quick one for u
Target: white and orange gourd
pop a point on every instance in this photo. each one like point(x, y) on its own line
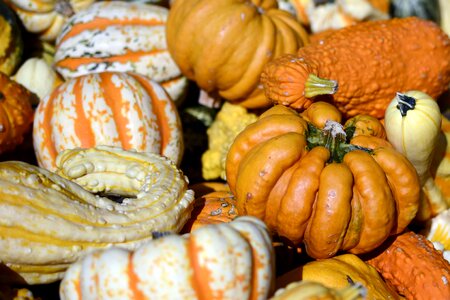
point(223, 261)
point(119, 36)
point(117, 109)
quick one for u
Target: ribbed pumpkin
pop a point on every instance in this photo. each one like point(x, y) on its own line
point(118, 109)
point(323, 186)
point(224, 261)
point(48, 220)
point(11, 44)
point(16, 113)
point(46, 18)
point(224, 45)
point(122, 37)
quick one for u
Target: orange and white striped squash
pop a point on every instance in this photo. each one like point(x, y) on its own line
point(46, 18)
point(222, 261)
point(119, 36)
point(116, 109)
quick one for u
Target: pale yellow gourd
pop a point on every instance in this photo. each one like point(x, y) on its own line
point(413, 125)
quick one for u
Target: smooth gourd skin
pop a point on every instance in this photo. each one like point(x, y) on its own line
point(277, 178)
point(370, 62)
point(224, 261)
point(16, 113)
point(109, 108)
point(223, 45)
point(411, 264)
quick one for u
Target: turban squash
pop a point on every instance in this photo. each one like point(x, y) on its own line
point(119, 36)
point(223, 261)
point(339, 189)
point(224, 45)
point(117, 109)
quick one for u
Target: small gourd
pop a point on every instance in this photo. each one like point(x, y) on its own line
point(413, 125)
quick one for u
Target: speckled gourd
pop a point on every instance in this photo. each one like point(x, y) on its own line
point(47, 221)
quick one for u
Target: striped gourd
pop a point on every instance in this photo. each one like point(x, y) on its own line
point(118, 109)
point(46, 18)
point(11, 44)
point(119, 36)
point(47, 221)
point(223, 261)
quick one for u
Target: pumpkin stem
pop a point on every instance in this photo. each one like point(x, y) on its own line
point(315, 86)
point(405, 103)
point(64, 8)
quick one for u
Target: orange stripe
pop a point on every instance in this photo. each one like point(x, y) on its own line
point(102, 23)
point(201, 276)
point(133, 281)
point(159, 110)
point(72, 63)
point(78, 288)
point(82, 124)
point(45, 125)
point(114, 100)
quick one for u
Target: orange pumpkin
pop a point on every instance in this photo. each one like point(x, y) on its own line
point(411, 264)
point(16, 113)
point(116, 109)
point(313, 186)
point(224, 45)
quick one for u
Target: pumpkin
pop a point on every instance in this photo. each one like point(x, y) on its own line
point(16, 113)
point(413, 126)
point(309, 290)
point(410, 263)
point(118, 109)
point(37, 76)
point(339, 272)
point(223, 261)
point(212, 208)
point(359, 79)
point(99, 197)
point(224, 45)
point(119, 36)
point(11, 44)
point(320, 186)
point(46, 18)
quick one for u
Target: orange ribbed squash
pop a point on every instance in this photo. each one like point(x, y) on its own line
point(117, 109)
point(224, 45)
point(360, 79)
point(322, 187)
point(16, 113)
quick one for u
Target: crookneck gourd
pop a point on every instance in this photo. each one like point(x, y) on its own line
point(325, 186)
point(360, 79)
point(224, 261)
point(224, 45)
point(47, 221)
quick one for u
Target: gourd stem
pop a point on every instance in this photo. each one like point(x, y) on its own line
point(405, 103)
point(353, 292)
point(315, 86)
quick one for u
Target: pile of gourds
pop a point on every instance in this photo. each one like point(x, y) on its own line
point(197, 149)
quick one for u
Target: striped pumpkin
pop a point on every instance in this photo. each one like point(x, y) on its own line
point(117, 109)
point(121, 37)
point(46, 18)
point(223, 261)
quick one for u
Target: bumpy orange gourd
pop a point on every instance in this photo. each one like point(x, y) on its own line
point(410, 263)
point(224, 45)
point(311, 187)
point(16, 113)
point(362, 67)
